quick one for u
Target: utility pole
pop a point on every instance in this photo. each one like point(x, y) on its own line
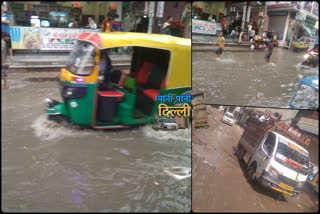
point(155, 19)
point(151, 16)
point(244, 15)
point(264, 13)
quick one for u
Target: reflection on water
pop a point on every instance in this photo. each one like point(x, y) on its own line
point(244, 78)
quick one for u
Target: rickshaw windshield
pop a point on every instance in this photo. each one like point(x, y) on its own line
point(81, 59)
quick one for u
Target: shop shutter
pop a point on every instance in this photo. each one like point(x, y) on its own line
point(277, 23)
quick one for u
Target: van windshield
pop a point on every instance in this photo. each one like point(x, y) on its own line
point(81, 59)
point(229, 116)
point(292, 157)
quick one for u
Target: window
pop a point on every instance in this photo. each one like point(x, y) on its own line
point(81, 59)
point(268, 145)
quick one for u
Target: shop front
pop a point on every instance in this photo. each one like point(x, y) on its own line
point(46, 26)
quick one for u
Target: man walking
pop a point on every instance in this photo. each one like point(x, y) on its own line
point(5, 21)
point(224, 26)
point(4, 51)
point(269, 53)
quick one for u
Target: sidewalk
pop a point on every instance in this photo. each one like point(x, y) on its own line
point(210, 39)
point(212, 48)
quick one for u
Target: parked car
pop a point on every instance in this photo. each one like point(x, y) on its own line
point(164, 123)
point(228, 118)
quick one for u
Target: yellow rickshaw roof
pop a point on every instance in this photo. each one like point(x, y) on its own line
point(179, 71)
point(118, 39)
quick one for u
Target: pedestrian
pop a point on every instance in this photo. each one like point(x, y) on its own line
point(92, 24)
point(4, 52)
point(221, 45)
point(115, 25)
point(75, 23)
point(233, 34)
point(269, 53)
point(224, 26)
point(165, 29)
point(5, 21)
point(106, 26)
point(249, 29)
point(240, 34)
point(252, 34)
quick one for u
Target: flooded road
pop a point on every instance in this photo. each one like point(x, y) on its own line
point(244, 78)
point(218, 180)
point(58, 168)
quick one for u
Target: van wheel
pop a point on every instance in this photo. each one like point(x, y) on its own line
point(250, 172)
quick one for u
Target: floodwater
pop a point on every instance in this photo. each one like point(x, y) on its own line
point(244, 78)
point(58, 167)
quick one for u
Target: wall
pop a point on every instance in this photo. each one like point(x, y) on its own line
point(174, 9)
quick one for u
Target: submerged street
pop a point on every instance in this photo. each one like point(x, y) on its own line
point(244, 78)
point(58, 167)
point(219, 182)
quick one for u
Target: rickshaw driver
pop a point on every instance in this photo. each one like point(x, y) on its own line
point(105, 68)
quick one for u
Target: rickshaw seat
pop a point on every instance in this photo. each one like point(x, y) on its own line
point(122, 80)
point(130, 84)
point(143, 73)
point(153, 93)
point(111, 94)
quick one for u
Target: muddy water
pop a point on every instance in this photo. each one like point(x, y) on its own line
point(244, 78)
point(52, 167)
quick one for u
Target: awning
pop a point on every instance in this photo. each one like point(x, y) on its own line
point(309, 125)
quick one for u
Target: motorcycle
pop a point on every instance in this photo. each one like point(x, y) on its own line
point(311, 59)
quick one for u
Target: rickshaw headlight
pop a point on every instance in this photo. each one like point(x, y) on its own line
point(48, 102)
point(68, 92)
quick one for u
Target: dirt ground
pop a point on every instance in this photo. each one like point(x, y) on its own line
point(218, 180)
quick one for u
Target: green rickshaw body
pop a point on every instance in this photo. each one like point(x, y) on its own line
point(81, 93)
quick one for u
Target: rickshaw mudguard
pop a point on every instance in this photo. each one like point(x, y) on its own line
point(59, 109)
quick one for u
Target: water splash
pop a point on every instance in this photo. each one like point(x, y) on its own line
point(178, 173)
point(48, 130)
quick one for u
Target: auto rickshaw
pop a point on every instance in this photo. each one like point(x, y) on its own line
point(160, 64)
point(312, 82)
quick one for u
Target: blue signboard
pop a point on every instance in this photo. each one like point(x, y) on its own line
point(15, 34)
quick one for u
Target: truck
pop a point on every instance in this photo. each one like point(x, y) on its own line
point(273, 157)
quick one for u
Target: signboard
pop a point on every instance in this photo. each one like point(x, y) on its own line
point(204, 27)
point(25, 38)
point(309, 125)
point(30, 38)
point(60, 38)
